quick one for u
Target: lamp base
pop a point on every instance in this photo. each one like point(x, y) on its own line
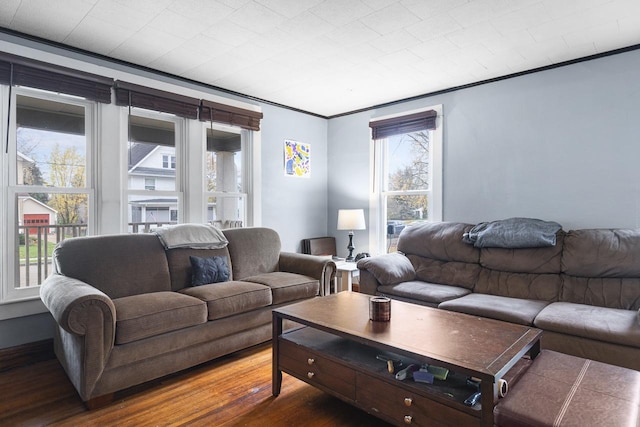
point(350, 247)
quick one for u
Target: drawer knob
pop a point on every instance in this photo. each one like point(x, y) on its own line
point(408, 419)
point(310, 374)
point(408, 401)
point(311, 361)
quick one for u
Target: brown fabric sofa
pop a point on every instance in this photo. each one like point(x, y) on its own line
point(584, 292)
point(126, 312)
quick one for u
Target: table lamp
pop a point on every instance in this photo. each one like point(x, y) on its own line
point(351, 219)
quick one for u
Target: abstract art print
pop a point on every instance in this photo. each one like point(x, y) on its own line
point(297, 159)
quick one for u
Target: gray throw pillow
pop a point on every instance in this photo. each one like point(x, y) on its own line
point(208, 270)
point(389, 269)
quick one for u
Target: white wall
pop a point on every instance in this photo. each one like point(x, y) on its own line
point(349, 179)
point(559, 145)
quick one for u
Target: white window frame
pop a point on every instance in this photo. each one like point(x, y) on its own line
point(377, 206)
point(247, 168)
point(180, 138)
point(169, 160)
point(8, 291)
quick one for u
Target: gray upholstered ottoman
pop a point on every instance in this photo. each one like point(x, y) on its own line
point(563, 390)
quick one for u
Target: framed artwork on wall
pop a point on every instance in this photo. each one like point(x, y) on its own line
point(297, 159)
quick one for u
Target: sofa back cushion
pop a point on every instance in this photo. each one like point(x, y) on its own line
point(439, 255)
point(608, 292)
point(525, 260)
point(119, 265)
point(438, 240)
point(602, 253)
point(180, 266)
point(253, 251)
point(454, 273)
point(602, 267)
point(543, 287)
point(528, 273)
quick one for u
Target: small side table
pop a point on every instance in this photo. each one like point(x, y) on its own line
point(346, 271)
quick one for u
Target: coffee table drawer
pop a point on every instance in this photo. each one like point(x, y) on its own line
point(317, 370)
point(401, 406)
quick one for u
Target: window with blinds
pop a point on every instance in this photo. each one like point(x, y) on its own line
point(405, 173)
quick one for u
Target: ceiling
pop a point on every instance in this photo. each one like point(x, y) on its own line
point(330, 57)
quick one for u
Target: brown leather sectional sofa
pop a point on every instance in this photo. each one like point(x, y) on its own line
point(583, 292)
point(126, 312)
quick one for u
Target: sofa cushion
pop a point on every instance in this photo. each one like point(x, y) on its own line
point(602, 253)
point(454, 273)
point(542, 260)
point(253, 251)
point(228, 298)
point(111, 263)
point(155, 313)
point(543, 287)
point(208, 270)
point(438, 240)
point(598, 323)
point(611, 292)
point(514, 310)
point(287, 286)
point(389, 269)
point(424, 291)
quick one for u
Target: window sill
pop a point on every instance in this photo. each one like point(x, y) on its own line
point(25, 307)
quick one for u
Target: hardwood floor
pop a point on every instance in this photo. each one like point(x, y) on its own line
point(231, 391)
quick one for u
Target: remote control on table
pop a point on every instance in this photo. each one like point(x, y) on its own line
point(473, 399)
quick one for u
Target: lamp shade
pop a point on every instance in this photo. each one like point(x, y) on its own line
point(351, 219)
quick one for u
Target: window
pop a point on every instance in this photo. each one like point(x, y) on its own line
point(49, 170)
point(407, 175)
point(168, 162)
point(224, 177)
point(49, 182)
point(149, 183)
point(153, 183)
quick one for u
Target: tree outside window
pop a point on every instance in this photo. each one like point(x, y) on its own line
point(51, 189)
point(409, 176)
point(407, 182)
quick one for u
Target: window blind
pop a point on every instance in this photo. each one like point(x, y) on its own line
point(133, 95)
point(221, 113)
point(20, 71)
point(425, 120)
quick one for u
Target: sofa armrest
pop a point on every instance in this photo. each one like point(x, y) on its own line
point(68, 299)
point(87, 320)
point(386, 269)
point(322, 269)
point(367, 283)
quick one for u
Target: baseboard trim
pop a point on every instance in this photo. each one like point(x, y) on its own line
point(26, 354)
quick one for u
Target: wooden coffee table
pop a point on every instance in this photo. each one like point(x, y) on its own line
point(339, 349)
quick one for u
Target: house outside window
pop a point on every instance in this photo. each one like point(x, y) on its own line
point(153, 183)
point(407, 174)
